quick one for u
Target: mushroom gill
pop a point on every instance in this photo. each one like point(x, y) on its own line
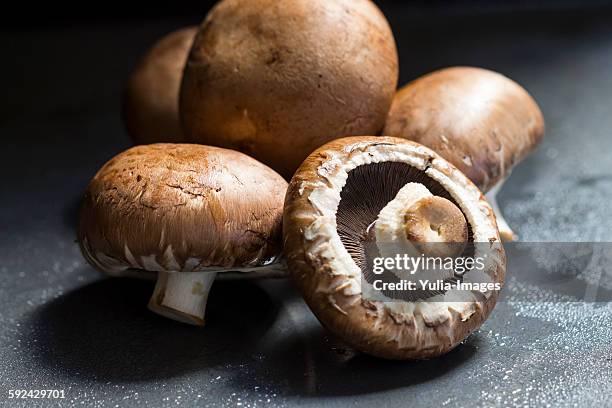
point(368, 190)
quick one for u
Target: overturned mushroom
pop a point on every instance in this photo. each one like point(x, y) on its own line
point(151, 94)
point(356, 190)
point(479, 120)
point(186, 212)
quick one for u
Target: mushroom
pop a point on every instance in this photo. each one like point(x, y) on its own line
point(187, 213)
point(479, 120)
point(276, 80)
point(356, 190)
point(150, 97)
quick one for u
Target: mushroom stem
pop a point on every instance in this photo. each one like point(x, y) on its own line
point(182, 296)
point(436, 226)
point(505, 232)
point(433, 225)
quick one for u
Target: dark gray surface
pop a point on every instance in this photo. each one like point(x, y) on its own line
point(64, 326)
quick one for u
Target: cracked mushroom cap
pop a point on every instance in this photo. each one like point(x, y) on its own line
point(151, 94)
point(333, 200)
point(181, 208)
point(479, 120)
point(277, 79)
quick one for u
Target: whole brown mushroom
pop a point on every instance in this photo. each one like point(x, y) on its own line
point(479, 120)
point(402, 190)
point(151, 94)
point(278, 78)
point(185, 212)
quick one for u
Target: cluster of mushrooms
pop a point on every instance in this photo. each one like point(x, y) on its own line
point(305, 90)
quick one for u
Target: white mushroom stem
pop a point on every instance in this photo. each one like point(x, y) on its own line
point(418, 223)
point(182, 296)
point(390, 230)
point(390, 226)
point(505, 232)
point(415, 217)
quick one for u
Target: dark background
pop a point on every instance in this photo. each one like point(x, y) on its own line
point(24, 14)
point(64, 326)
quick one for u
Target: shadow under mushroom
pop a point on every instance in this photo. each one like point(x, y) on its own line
point(103, 331)
point(309, 363)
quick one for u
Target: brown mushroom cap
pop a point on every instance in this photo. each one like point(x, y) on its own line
point(150, 97)
point(337, 193)
point(276, 79)
point(181, 208)
point(479, 120)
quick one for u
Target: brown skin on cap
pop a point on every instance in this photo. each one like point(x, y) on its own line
point(326, 275)
point(150, 97)
point(277, 79)
point(436, 221)
point(479, 120)
point(181, 208)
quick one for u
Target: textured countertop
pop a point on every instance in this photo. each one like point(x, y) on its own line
point(64, 326)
